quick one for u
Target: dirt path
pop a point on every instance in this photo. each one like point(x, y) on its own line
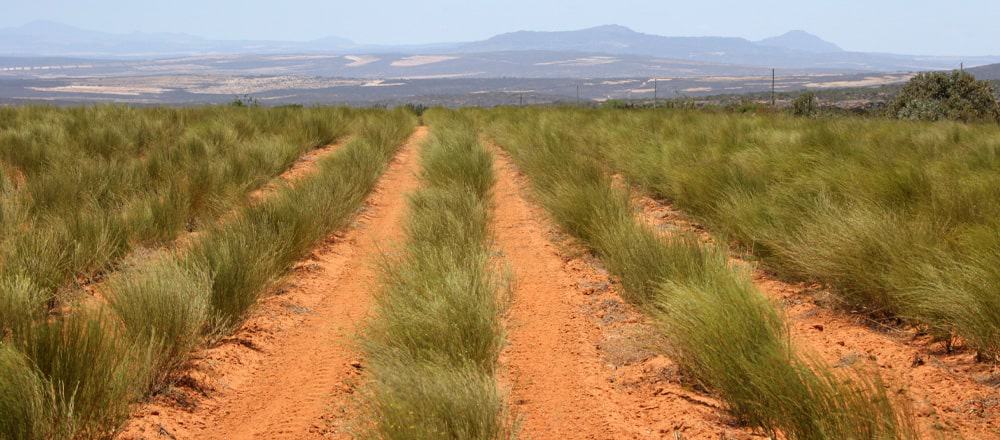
point(579, 362)
point(304, 166)
point(950, 393)
point(290, 371)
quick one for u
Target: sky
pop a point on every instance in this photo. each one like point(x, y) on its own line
point(955, 27)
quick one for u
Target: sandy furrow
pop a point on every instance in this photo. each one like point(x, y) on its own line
point(579, 362)
point(950, 393)
point(304, 166)
point(291, 370)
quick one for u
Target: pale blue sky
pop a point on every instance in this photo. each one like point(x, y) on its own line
point(959, 27)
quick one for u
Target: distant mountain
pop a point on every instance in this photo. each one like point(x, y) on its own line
point(801, 41)
point(46, 38)
point(991, 72)
point(793, 51)
point(614, 39)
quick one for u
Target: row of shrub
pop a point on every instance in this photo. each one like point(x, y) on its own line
point(75, 376)
point(435, 337)
point(897, 217)
point(86, 186)
point(724, 333)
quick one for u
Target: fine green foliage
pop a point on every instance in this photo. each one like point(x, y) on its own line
point(88, 366)
point(85, 186)
point(164, 307)
point(436, 335)
point(23, 399)
point(720, 329)
point(804, 104)
point(957, 95)
point(893, 215)
point(246, 255)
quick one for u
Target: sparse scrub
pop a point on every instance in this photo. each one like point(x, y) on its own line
point(436, 335)
point(721, 330)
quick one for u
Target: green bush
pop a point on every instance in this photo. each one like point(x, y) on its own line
point(938, 96)
point(804, 104)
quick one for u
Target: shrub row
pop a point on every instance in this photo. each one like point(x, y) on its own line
point(723, 332)
point(434, 340)
point(79, 373)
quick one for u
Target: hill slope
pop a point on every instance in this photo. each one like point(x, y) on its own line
point(801, 41)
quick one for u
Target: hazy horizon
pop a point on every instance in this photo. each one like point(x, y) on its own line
point(896, 26)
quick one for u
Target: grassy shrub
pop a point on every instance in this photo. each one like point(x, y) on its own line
point(245, 256)
point(24, 399)
point(123, 177)
point(92, 364)
point(436, 335)
point(804, 104)
point(21, 303)
point(721, 330)
point(890, 214)
point(165, 309)
point(90, 369)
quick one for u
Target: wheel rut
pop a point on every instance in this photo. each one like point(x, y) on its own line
point(292, 369)
point(951, 394)
point(579, 362)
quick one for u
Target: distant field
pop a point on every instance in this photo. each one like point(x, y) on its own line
point(275, 80)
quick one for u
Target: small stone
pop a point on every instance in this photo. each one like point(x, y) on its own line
point(818, 327)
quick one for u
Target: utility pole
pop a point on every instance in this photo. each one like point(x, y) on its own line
point(655, 92)
point(521, 97)
point(577, 94)
point(772, 87)
point(961, 66)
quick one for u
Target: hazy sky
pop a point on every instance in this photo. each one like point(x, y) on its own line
point(960, 27)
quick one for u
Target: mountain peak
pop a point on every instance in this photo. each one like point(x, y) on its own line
point(801, 41)
point(611, 28)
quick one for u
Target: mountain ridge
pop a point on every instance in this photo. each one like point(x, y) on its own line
point(798, 50)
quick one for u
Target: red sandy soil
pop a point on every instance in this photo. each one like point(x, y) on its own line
point(291, 371)
point(302, 167)
point(951, 394)
point(580, 362)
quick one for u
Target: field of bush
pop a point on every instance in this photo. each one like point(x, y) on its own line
point(900, 218)
point(100, 308)
point(84, 187)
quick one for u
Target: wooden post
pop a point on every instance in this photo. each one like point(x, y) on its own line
point(772, 88)
point(655, 92)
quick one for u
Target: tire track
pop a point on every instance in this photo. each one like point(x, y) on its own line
point(950, 392)
point(580, 362)
point(291, 370)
